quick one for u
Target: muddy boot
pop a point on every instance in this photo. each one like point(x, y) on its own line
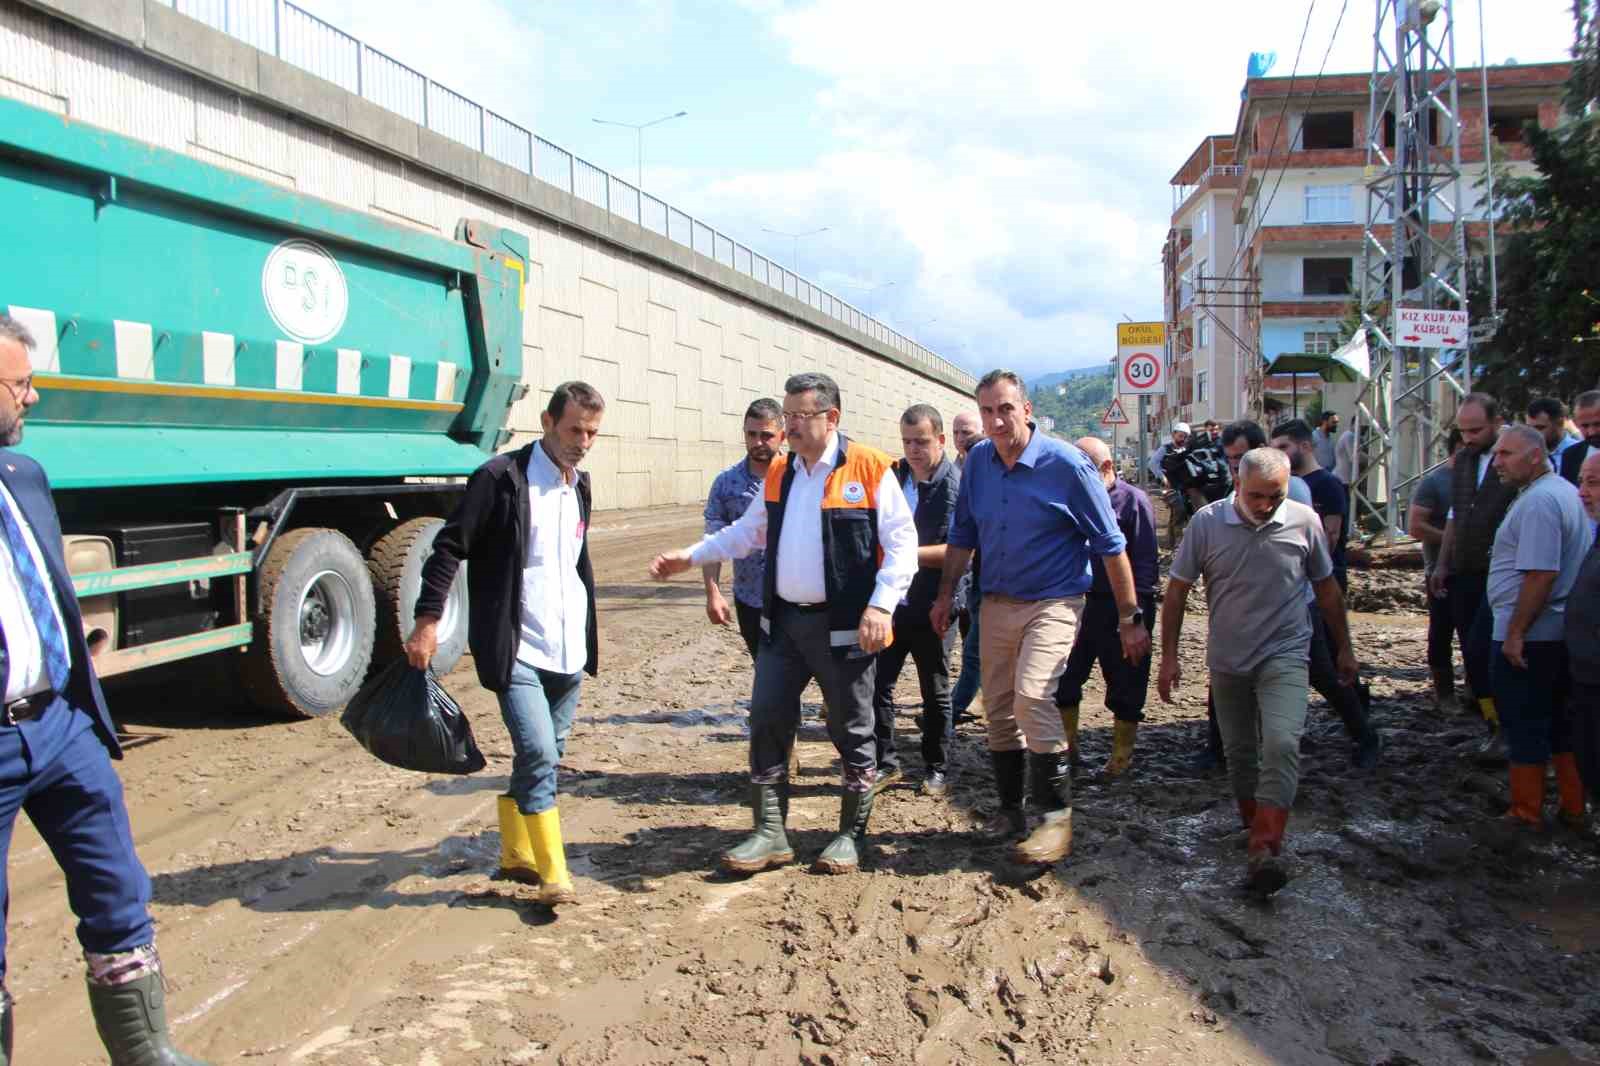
point(131, 1014)
point(1266, 871)
point(550, 853)
point(1492, 752)
point(1247, 812)
point(769, 844)
point(1069, 722)
point(5, 1027)
point(1445, 700)
point(516, 850)
point(1122, 739)
point(1052, 793)
point(843, 853)
point(1569, 787)
point(1009, 821)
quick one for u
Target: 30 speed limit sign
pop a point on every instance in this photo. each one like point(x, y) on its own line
point(1140, 362)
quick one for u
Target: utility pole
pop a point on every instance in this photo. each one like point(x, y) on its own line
point(1409, 259)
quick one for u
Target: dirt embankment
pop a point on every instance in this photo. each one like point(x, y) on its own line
point(316, 907)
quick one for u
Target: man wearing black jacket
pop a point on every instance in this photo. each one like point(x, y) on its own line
point(523, 522)
point(931, 483)
point(1586, 413)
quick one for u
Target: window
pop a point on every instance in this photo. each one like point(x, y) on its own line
point(1325, 277)
point(1203, 331)
point(1321, 342)
point(1328, 203)
point(1202, 389)
point(1505, 123)
point(1328, 129)
point(1388, 128)
point(1202, 222)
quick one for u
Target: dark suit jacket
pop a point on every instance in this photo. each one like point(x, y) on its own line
point(1572, 460)
point(25, 480)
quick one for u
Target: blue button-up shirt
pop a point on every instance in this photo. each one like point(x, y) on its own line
point(731, 495)
point(1036, 524)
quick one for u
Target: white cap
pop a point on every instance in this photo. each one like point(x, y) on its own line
point(1180, 427)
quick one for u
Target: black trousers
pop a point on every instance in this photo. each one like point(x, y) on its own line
point(1344, 699)
point(797, 651)
point(1099, 640)
point(1583, 704)
point(1441, 643)
point(749, 626)
point(1474, 623)
point(931, 653)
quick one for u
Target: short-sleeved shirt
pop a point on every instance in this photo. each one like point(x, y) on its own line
point(1255, 581)
point(1036, 523)
point(1137, 520)
point(1330, 500)
point(1433, 492)
point(731, 495)
point(1545, 529)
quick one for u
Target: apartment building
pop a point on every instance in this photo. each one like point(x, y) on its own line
point(1267, 227)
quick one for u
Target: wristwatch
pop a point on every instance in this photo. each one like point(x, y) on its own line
point(1134, 619)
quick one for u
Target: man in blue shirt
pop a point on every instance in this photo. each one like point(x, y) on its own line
point(730, 497)
point(1098, 639)
point(1037, 509)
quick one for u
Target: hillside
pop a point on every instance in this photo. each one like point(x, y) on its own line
point(1076, 401)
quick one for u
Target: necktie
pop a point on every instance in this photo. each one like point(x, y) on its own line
point(57, 666)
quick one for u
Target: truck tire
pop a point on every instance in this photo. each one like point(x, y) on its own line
point(313, 639)
point(395, 562)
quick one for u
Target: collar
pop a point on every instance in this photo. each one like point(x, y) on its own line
point(1030, 455)
point(903, 467)
point(542, 470)
point(1234, 518)
point(829, 457)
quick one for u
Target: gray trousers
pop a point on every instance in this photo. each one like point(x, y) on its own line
point(1262, 715)
point(797, 651)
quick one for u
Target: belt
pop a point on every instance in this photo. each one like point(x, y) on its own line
point(804, 608)
point(21, 710)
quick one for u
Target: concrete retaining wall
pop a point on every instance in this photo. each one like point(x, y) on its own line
point(678, 343)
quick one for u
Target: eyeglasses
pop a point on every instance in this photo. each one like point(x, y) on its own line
point(25, 385)
point(802, 416)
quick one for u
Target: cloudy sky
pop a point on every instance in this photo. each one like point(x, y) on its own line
point(1003, 164)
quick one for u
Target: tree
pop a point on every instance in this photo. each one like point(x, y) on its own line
point(1548, 342)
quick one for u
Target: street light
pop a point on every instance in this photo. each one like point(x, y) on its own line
point(795, 262)
point(638, 128)
point(866, 293)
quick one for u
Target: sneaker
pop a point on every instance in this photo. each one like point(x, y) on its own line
point(936, 784)
point(1368, 749)
point(887, 779)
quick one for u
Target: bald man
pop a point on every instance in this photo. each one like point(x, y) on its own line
point(1098, 636)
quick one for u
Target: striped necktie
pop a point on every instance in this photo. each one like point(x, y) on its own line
point(52, 647)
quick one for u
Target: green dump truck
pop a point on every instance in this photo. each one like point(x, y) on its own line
point(255, 406)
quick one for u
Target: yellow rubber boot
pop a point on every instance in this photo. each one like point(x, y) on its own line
point(544, 833)
point(1069, 722)
point(1122, 738)
point(516, 850)
point(1492, 752)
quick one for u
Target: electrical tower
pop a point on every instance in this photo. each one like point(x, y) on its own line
point(1413, 253)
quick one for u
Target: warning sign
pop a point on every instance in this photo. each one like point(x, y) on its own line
point(1115, 415)
point(1140, 347)
point(1419, 327)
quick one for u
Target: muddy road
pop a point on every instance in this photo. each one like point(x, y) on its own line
point(315, 907)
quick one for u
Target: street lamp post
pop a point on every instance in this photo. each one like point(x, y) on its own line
point(795, 237)
point(638, 129)
point(867, 293)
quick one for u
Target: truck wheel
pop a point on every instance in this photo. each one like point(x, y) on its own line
point(313, 640)
point(395, 562)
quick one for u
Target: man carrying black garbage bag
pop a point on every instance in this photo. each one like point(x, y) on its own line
point(523, 523)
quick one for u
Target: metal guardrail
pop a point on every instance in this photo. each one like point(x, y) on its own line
point(296, 36)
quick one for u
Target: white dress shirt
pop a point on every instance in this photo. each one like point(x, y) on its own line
point(27, 674)
point(799, 559)
point(555, 605)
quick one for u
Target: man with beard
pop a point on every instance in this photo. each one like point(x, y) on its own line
point(1548, 415)
point(965, 431)
point(523, 523)
point(1586, 413)
point(1479, 500)
point(1538, 551)
point(731, 495)
point(1324, 437)
point(57, 741)
point(1430, 502)
point(1256, 551)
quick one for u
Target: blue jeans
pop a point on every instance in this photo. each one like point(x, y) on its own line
point(966, 689)
point(1532, 702)
point(56, 770)
point(538, 710)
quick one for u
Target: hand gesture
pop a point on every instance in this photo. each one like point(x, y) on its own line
point(1167, 681)
point(666, 564)
point(717, 608)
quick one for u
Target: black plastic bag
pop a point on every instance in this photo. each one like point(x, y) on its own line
point(406, 718)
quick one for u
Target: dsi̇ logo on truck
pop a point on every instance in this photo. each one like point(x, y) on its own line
point(305, 291)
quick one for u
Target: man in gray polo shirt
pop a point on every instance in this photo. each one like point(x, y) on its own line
point(1256, 550)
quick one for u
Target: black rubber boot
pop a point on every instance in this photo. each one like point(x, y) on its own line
point(132, 1020)
point(1051, 792)
point(769, 844)
point(843, 853)
point(5, 1027)
point(1010, 770)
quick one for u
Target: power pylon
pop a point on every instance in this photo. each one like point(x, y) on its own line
point(1413, 252)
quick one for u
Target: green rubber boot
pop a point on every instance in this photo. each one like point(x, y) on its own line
point(843, 853)
point(132, 1020)
point(769, 845)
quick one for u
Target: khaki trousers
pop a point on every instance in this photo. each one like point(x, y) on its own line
point(1023, 649)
